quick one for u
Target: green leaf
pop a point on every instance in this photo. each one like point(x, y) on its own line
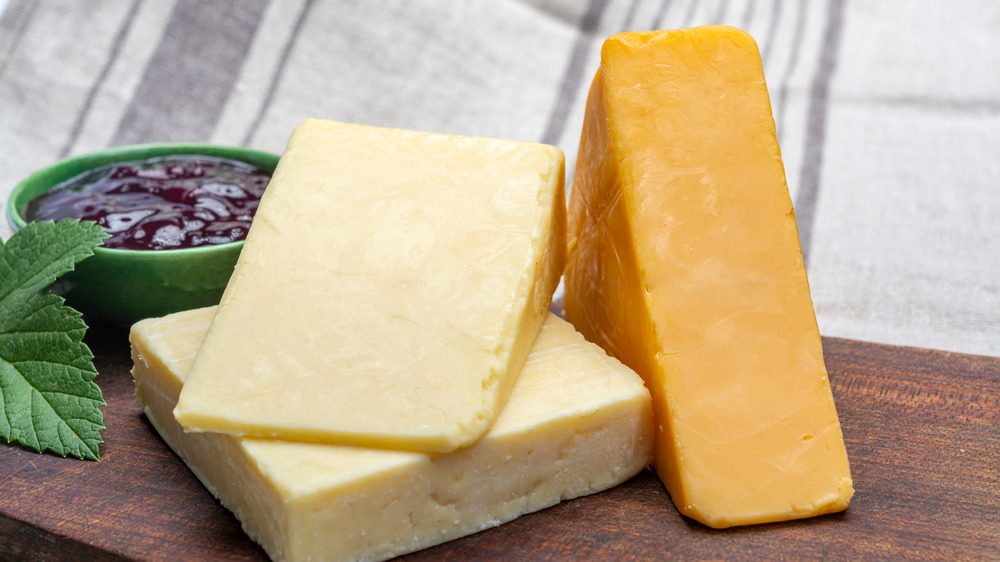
point(50, 401)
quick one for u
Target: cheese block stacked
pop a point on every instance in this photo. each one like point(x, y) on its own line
point(382, 373)
point(577, 422)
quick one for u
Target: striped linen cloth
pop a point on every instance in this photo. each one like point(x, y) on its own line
point(888, 112)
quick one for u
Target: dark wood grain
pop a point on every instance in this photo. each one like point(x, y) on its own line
point(922, 430)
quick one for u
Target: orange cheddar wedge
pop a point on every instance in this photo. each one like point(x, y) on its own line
point(684, 262)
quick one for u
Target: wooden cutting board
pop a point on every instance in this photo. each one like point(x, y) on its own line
point(922, 430)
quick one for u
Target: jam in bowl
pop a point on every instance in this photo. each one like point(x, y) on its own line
point(169, 202)
point(176, 214)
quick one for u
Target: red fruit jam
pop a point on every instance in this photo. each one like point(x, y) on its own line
point(161, 203)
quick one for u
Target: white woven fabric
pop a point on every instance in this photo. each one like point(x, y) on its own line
point(888, 112)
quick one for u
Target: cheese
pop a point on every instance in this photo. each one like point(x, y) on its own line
point(685, 263)
point(389, 290)
point(577, 422)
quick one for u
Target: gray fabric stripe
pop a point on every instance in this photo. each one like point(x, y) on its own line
point(720, 12)
point(573, 73)
point(12, 24)
point(747, 14)
point(662, 13)
point(812, 161)
point(630, 16)
point(793, 61)
point(772, 27)
point(116, 46)
point(985, 106)
point(189, 77)
point(689, 16)
point(278, 72)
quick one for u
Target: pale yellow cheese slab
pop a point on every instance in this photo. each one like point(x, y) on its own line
point(577, 422)
point(684, 263)
point(389, 290)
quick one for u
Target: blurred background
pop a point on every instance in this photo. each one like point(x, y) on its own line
point(888, 112)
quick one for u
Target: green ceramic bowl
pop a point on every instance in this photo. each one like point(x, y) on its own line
point(124, 286)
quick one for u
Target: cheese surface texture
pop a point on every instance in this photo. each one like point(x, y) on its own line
point(684, 262)
point(577, 422)
point(389, 290)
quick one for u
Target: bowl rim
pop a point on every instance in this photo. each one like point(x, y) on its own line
point(126, 153)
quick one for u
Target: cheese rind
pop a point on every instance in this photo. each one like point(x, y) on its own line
point(684, 263)
point(389, 289)
point(577, 422)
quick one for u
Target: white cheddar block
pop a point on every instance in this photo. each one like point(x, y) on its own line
point(388, 292)
point(577, 422)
